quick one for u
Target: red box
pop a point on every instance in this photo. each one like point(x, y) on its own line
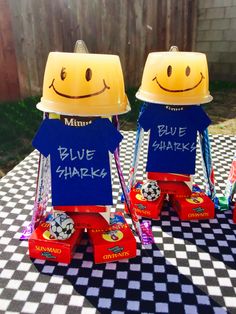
point(114, 243)
point(143, 207)
point(196, 207)
point(43, 246)
point(172, 183)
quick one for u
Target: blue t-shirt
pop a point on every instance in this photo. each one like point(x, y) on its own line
point(173, 136)
point(80, 167)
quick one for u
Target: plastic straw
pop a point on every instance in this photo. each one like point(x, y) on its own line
point(207, 164)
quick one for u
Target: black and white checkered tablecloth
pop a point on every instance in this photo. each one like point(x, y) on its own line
point(190, 269)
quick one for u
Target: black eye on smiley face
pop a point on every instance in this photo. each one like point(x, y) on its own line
point(63, 74)
point(187, 71)
point(170, 72)
point(87, 76)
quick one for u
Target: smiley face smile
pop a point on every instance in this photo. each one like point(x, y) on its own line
point(179, 90)
point(80, 96)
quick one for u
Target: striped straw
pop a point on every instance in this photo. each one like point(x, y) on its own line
point(207, 164)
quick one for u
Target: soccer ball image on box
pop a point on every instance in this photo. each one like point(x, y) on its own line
point(150, 190)
point(62, 226)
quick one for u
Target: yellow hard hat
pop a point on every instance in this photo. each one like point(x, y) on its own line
point(83, 84)
point(175, 78)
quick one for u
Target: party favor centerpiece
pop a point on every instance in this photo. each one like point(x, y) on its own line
point(81, 91)
point(174, 85)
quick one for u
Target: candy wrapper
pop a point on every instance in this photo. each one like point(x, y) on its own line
point(147, 235)
point(207, 164)
point(230, 189)
point(41, 197)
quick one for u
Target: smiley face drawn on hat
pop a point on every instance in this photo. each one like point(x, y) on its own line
point(175, 78)
point(187, 73)
point(179, 73)
point(88, 77)
point(83, 84)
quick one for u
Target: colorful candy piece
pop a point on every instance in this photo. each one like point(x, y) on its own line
point(147, 235)
point(230, 189)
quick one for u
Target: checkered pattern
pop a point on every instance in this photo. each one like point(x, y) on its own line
point(190, 268)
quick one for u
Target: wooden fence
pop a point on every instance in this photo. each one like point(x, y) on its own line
point(30, 29)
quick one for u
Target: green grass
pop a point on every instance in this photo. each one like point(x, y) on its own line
point(221, 86)
point(128, 120)
point(20, 120)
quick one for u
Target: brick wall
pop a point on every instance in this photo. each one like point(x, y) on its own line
point(216, 36)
